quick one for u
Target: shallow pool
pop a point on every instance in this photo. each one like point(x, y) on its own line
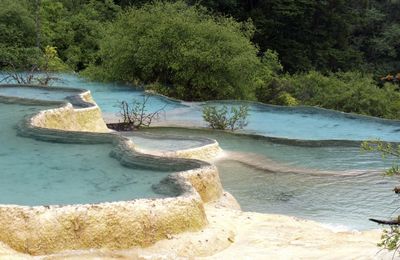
point(342, 202)
point(109, 95)
point(37, 93)
point(42, 173)
point(338, 186)
point(300, 123)
point(164, 144)
point(292, 123)
point(336, 158)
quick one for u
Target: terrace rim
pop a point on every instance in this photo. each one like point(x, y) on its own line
point(39, 230)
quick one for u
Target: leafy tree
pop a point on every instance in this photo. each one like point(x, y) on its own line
point(307, 34)
point(321, 35)
point(74, 27)
point(348, 92)
point(17, 24)
point(385, 48)
point(386, 150)
point(17, 34)
point(128, 3)
point(192, 54)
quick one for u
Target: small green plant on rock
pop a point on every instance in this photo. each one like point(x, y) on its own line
point(223, 118)
point(385, 149)
point(390, 238)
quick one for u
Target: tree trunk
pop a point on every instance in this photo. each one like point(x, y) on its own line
point(37, 22)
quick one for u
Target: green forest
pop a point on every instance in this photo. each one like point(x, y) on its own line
point(336, 54)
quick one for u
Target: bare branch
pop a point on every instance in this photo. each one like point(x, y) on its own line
point(33, 75)
point(386, 222)
point(135, 115)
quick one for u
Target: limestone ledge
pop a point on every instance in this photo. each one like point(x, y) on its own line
point(40, 230)
point(117, 225)
point(204, 177)
point(207, 150)
point(234, 234)
point(48, 229)
point(68, 118)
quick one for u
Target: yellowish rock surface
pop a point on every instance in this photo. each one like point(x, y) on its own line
point(71, 119)
point(233, 234)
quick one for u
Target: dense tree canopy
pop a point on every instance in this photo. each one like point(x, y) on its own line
point(75, 28)
point(195, 55)
point(17, 33)
point(307, 34)
point(323, 35)
point(220, 49)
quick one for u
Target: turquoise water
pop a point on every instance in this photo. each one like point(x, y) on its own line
point(109, 95)
point(43, 173)
point(301, 123)
point(333, 185)
point(35, 93)
point(318, 158)
point(292, 123)
point(297, 123)
point(339, 186)
point(342, 202)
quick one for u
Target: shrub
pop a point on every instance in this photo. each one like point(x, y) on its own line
point(190, 53)
point(390, 238)
point(276, 93)
point(221, 118)
point(386, 150)
point(348, 92)
point(135, 115)
point(286, 99)
point(40, 73)
point(351, 92)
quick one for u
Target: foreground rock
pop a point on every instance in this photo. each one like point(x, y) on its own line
point(233, 234)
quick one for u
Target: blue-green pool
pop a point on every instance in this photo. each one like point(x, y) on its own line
point(338, 186)
point(293, 123)
point(42, 173)
point(109, 95)
point(48, 94)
